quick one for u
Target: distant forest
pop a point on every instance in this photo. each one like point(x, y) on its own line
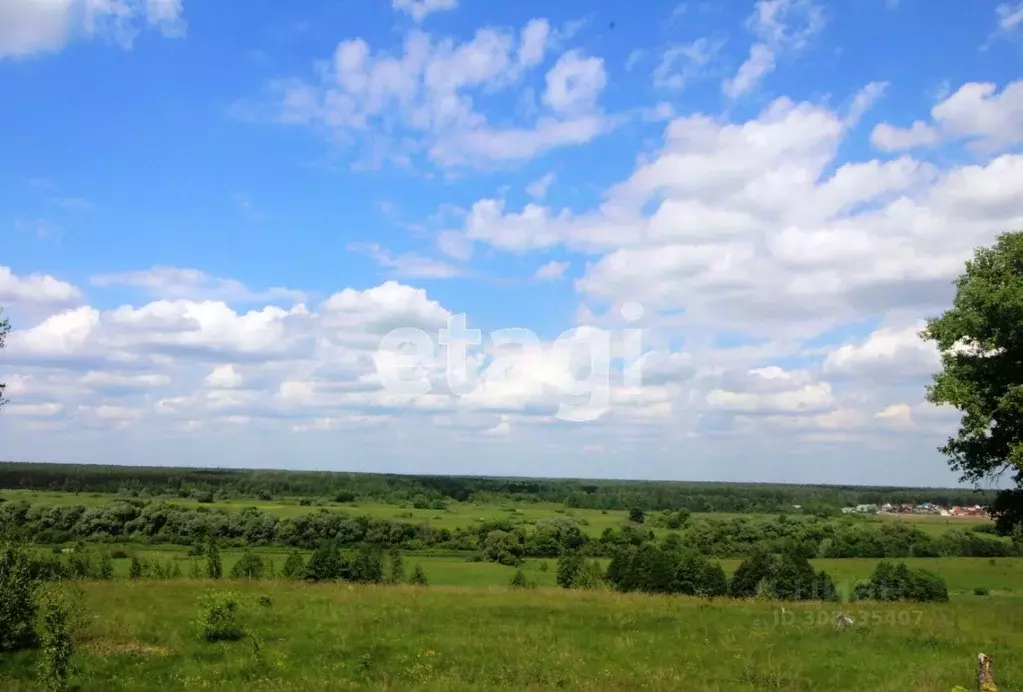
point(211, 484)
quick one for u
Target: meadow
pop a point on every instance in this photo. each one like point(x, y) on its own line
point(143, 636)
point(1002, 577)
point(470, 630)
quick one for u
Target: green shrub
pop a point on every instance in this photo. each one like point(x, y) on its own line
point(589, 576)
point(568, 569)
point(214, 567)
point(326, 564)
point(397, 564)
point(135, 570)
point(519, 580)
point(981, 591)
point(55, 666)
point(249, 566)
point(218, 617)
point(294, 566)
point(747, 582)
point(264, 601)
point(900, 583)
point(418, 577)
point(17, 598)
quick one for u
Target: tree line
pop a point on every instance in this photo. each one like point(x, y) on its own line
point(429, 490)
point(502, 541)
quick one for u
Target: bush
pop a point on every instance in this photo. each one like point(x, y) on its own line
point(589, 576)
point(636, 515)
point(325, 564)
point(250, 566)
point(757, 568)
point(264, 601)
point(418, 577)
point(981, 591)
point(900, 583)
point(568, 569)
point(695, 575)
point(55, 667)
point(294, 566)
point(397, 565)
point(214, 567)
point(135, 569)
point(218, 617)
point(519, 580)
point(17, 598)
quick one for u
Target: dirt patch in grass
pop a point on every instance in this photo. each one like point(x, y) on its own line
point(105, 647)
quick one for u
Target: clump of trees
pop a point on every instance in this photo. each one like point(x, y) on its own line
point(787, 577)
point(328, 563)
point(505, 542)
point(658, 569)
point(891, 582)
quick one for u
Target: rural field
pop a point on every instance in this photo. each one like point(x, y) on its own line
point(142, 636)
point(137, 557)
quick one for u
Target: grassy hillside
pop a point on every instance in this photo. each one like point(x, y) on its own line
point(143, 637)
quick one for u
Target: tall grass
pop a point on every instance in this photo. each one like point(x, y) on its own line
point(337, 637)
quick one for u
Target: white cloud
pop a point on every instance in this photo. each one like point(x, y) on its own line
point(977, 113)
point(419, 9)
point(886, 356)
point(780, 26)
point(574, 83)
point(30, 27)
point(410, 265)
point(551, 271)
point(34, 410)
point(191, 284)
point(890, 138)
point(1010, 17)
point(426, 101)
point(224, 377)
point(538, 188)
point(756, 227)
point(35, 288)
point(682, 64)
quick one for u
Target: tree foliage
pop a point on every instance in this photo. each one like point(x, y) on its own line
point(980, 339)
point(901, 583)
point(18, 588)
point(5, 327)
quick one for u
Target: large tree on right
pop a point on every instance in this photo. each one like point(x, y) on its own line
point(980, 339)
point(5, 327)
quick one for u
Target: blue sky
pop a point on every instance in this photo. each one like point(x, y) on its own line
point(212, 217)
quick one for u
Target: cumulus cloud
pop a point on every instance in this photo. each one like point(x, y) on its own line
point(36, 289)
point(30, 27)
point(419, 9)
point(978, 113)
point(551, 271)
point(755, 226)
point(425, 100)
point(779, 26)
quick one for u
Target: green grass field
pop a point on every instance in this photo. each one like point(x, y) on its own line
point(143, 636)
point(1002, 577)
